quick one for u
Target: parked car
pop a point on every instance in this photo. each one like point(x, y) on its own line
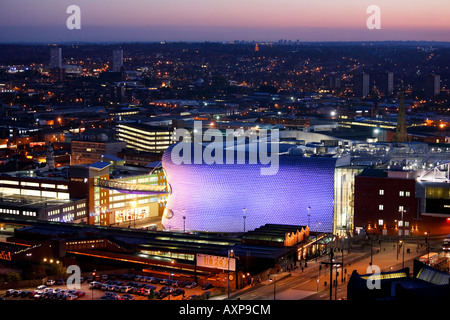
point(154, 280)
point(60, 282)
point(111, 294)
point(161, 295)
point(207, 286)
point(41, 287)
point(193, 297)
point(50, 282)
point(177, 292)
point(71, 297)
point(104, 277)
point(127, 296)
point(80, 294)
point(9, 292)
point(191, 285)
point(125, 289)
point(17, 293)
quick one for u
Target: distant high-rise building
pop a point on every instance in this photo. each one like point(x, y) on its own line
point(385, 83)
point(361, 85)
point(55, 58)
point(117, 60)
point(334, 82)
point(432, 85)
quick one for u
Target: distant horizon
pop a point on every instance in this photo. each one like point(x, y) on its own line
point(293, 42)
point(218, 34)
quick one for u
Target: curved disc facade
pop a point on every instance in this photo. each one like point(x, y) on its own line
point(212, 197)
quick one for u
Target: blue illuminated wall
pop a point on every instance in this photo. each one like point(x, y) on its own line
point(213, 196)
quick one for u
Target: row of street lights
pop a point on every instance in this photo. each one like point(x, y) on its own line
point(184, 219)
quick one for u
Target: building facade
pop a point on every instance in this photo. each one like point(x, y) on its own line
point(86, 151)
point(143, 137)
point(384, 201)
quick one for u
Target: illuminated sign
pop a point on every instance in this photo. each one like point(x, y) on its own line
point(216, 262)
point(5, 255)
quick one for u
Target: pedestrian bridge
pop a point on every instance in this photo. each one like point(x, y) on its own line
point(133, 188)
point(439, 173)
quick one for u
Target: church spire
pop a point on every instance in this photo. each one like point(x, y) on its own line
point(401, 134)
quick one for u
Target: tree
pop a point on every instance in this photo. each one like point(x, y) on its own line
point(13, 276)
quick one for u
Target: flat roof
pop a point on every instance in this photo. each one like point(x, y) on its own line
point(30, 202)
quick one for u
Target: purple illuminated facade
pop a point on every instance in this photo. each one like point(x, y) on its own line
point(213, 197)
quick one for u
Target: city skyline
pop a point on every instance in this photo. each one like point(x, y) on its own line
point(199, 20)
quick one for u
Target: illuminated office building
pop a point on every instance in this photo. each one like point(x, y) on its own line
point(143, 137)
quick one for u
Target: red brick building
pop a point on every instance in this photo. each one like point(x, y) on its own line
point(380, 199)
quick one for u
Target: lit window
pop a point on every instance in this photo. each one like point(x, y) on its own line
point(381, 193)
point(401, 193)
point(380, 207)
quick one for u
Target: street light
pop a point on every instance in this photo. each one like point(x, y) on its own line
point(403, 238)
point(133, 204)
point(29, 263)
point(309, 208)
point(244, 218)
point(273, 280)
point(184, 220)
point(93, 276)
